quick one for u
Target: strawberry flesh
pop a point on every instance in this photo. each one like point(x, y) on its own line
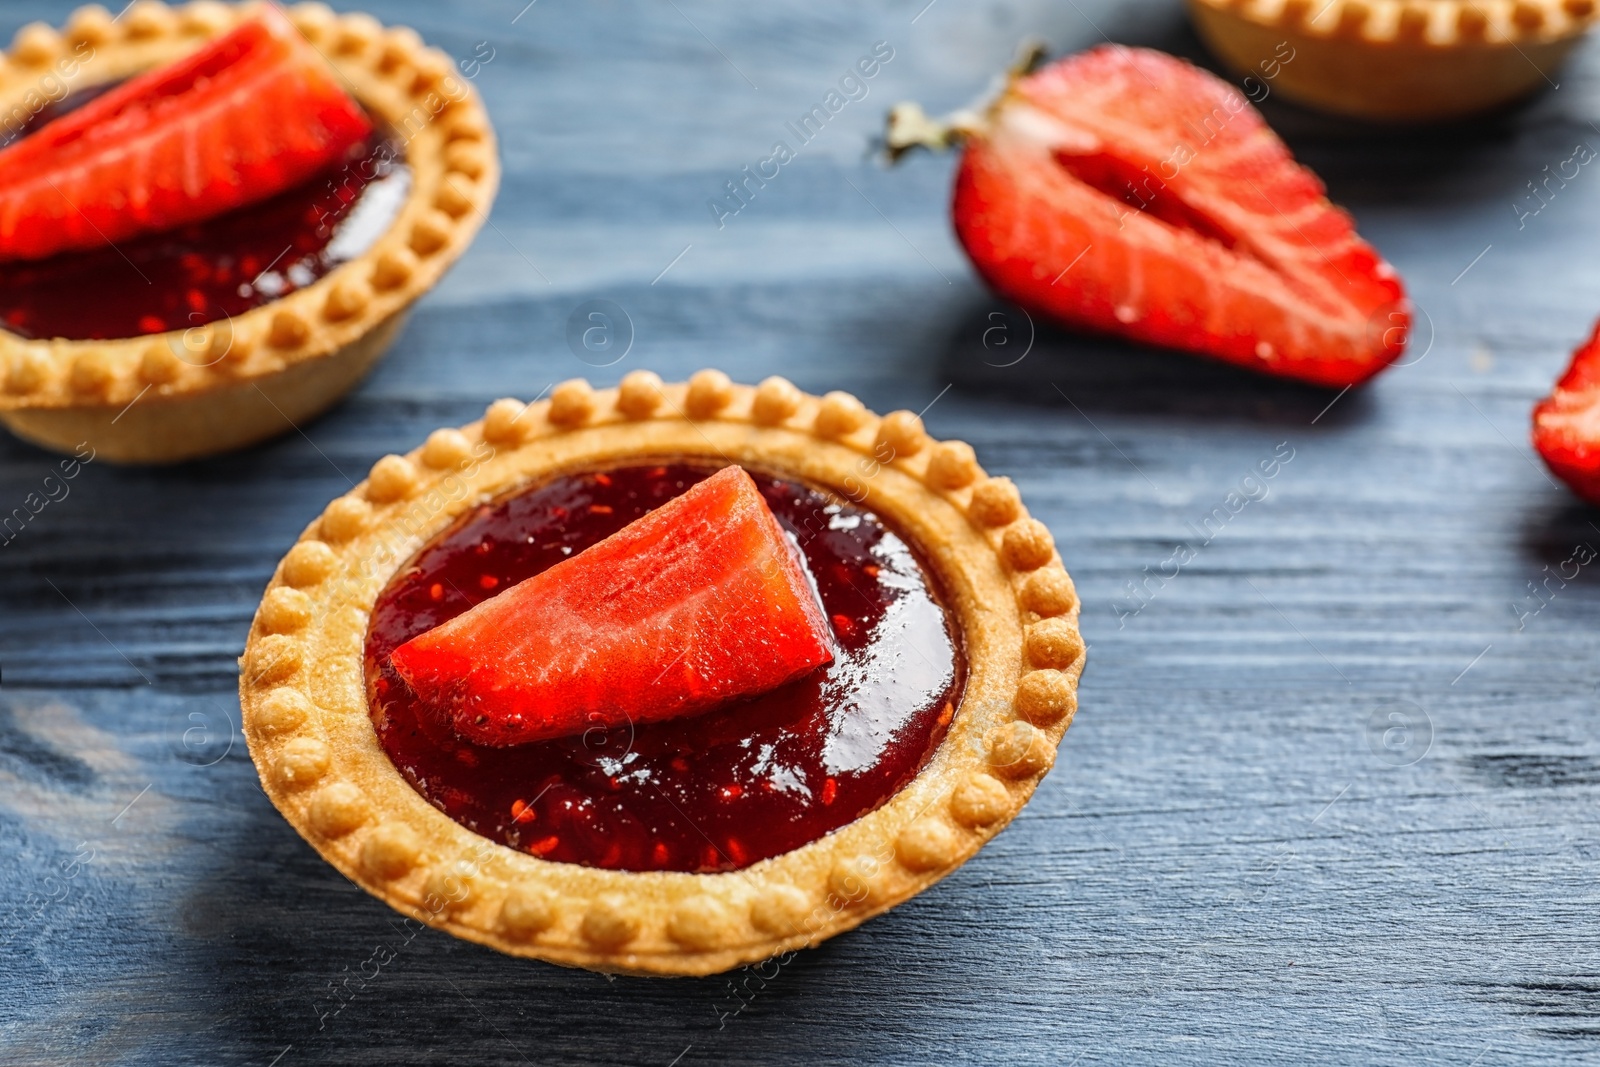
point(1127, 192)
point(251, 114)
point(1566, 424)
point(696, 604)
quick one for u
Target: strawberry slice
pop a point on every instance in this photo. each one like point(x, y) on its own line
point(697, 603)
point(1566, 424)
point(249, 115)
point(1125, 191)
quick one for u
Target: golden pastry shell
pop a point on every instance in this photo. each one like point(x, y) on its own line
point(51, 389)
point(1395, 60)
point(305, 708)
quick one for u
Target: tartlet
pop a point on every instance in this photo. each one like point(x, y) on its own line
point(1390, 60)
point(307, 696)
point(223, 384)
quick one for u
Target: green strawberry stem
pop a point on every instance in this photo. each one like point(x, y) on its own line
point(910, 127)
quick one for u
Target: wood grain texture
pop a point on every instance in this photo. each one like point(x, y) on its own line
point(1235, 859)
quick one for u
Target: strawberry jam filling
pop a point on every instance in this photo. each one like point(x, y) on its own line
point(712, 792)
point(211, 270)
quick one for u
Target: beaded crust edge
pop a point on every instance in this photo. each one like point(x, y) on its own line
point(305, 711)
point(449, 147)
point(1440, 24)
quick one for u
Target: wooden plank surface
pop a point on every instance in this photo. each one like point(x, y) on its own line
point(1242, 856)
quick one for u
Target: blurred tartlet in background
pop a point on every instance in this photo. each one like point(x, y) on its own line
point(1394, 61)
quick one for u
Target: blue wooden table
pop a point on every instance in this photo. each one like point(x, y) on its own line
point(1331, 796)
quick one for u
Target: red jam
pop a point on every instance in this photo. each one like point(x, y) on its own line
point(209, 270)
point(714, 792)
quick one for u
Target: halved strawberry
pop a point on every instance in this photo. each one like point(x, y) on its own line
point(697, 603)
point(1566, 424)
point(249, 115)
point(1125, 191)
